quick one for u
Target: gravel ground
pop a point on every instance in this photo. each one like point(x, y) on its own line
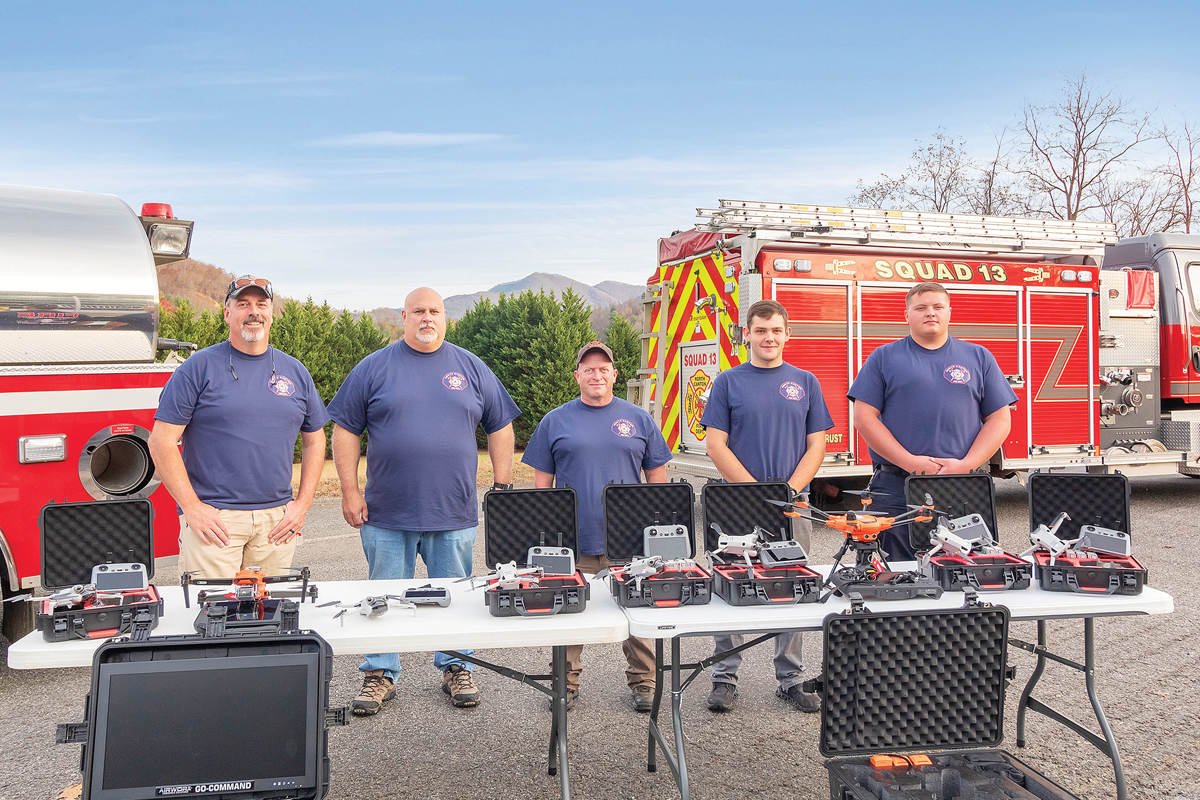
point(420, 747)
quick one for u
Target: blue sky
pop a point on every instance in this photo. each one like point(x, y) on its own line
point(351, 151)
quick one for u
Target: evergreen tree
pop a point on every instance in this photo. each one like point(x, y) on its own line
point(622, 339)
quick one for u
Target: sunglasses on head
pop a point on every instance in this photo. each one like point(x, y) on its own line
point(248, 280)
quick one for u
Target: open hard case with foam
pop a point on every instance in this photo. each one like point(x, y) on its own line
point(244, 716)
point(737, 508)
point(963, 496)
point(516, 520)
point(1100, 500)
point(78, 536)
point(631, 508)
point(912, 708)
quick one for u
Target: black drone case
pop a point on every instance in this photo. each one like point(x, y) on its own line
point(78, 536)
point(260, 705)
point(630, 508)
point(1101, 500)
point(737, 508)
point(516, 520)
point(960, 496)
point(926, 683)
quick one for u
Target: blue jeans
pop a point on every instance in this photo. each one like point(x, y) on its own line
point(393, 554)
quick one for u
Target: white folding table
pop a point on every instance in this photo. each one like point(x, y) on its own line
point(717, 617)
point(465, 624)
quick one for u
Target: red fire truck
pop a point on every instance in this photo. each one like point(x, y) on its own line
point(78, 382)
point(1099, 339)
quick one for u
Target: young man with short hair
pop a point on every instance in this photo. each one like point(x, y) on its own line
point(927, 404)
point(765, 420)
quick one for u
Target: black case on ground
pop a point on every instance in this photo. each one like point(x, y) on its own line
point(630, 508)
point(738, 508)
point(78, 536)
point(147, 668)
point(911, 683)
point(515, 520)
point(957, 495)
point(1101, 500)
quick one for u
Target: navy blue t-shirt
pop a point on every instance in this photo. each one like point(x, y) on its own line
point(586, 447)
point(241, 433)
point(767, 412)
point(932, 401)
point(420, 411)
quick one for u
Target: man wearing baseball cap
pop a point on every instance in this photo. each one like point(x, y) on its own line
point(238, 406)
point(586, 444)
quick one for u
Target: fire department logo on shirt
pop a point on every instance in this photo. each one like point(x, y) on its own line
point(455, 381)
point(282, 386)
point(957, 373)
point(791, 390)
point(624, 428)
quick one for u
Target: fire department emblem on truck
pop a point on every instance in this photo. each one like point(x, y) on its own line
point(957, 373)
point(624, 428)
point(693, 402)
point(791, 390)
point(282, 386)
point(455, 381)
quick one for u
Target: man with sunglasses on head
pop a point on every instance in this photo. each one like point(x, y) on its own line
point(238, 407)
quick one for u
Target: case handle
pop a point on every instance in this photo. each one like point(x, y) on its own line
point(1114, 584)
point(795, 597)
point(973, 579)
point(519, 605)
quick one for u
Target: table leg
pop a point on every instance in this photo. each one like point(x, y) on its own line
point(1089, 661)
point(677, 720)
point(1032, 682)
point(558, 727)
point(1106, 743)
point(651, 764)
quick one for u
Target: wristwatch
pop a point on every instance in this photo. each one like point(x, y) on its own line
point(502, 486)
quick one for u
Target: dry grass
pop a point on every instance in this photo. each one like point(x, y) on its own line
point(330, 486)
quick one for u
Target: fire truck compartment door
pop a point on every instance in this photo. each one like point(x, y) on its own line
point(698, 365)
point(1060, 340)
point(822, 341)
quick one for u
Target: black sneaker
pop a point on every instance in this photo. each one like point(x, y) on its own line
point(807, 702)
point(723, 697)
point(643, 699)
point(376, 690)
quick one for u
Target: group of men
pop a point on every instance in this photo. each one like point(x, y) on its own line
point(928, 403)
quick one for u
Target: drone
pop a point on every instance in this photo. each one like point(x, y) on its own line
point(507, 576)
point(640, 569)
point(963, 536)
point(249, 586)
point(1092, 540)
point(757, 544)
point(370, 607)
point(861, 535)
point(84, 595)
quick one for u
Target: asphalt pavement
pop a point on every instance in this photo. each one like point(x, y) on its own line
point(421, 747)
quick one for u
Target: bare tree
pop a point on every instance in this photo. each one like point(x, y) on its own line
point(1073, 144)
point(935, 180)
point(1139, 205)
point(992, 192)
point(1181, 173)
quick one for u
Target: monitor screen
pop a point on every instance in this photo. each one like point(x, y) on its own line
point(195, 726)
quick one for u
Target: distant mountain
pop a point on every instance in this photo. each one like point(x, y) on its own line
point(603, 294)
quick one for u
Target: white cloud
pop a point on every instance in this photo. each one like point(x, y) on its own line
point(393, 139)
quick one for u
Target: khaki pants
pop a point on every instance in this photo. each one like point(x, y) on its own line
point(248, 545)
point(639, 653)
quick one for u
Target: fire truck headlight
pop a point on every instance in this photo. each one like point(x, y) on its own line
point(39, 449)
point(802, 265)
point(1067, 275)
point(1084, 276)
point(168, 240)
point(782, 264)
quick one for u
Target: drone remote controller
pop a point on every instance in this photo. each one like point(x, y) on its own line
point(668, 541)
point(554, 560)
point(427, 595)
point(119, 577)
